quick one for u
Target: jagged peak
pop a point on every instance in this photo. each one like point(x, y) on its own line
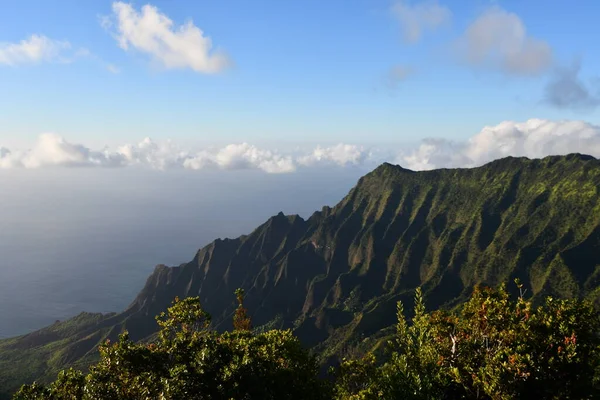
point(222, 240)
point(386, 166)
point(160, 267)
point(317, 215)
point(382, 173)
point(292, 218)
point(295, 218)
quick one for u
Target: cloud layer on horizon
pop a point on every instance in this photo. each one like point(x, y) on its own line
point(534, 138)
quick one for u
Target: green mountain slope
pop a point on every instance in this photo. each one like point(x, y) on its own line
point(336, 277)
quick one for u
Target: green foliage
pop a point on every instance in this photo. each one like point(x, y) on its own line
point(184, 320)
point(494, 349)
point(68, 386)
point(189, 361)
point(358, 379)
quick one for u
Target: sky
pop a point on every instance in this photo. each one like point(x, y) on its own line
point(381, 74)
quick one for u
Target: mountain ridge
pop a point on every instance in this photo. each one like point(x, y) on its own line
point(336, 276)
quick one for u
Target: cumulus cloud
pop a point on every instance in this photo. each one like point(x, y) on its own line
point(340, 154)
point(52, 150)
point(434, 153)
point(151, 32)
point(33, 50)
point(241, 156)
point(498, 39)
point(566, 90)
point(534, 138)
point(148, 153)
point(417, 18)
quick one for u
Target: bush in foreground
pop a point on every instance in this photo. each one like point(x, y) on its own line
point(495, 348)
point(190, 361)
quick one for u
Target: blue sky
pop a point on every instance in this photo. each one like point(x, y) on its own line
point(309, 71)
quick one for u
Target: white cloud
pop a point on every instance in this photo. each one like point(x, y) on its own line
point(33, 50)
point(154, 155)
point(498, 39)
point(340, 154)
point(534, 138)
point(154, 33)
point(241, 156)
point(434, 153)
point(53, 150)
point(417, 18)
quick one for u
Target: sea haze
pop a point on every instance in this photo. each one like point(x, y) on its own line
point(85, 239)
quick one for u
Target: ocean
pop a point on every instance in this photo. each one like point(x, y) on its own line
point(86, 239)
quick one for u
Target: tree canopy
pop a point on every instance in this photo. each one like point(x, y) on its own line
point(191, 361)
point(494, 348)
